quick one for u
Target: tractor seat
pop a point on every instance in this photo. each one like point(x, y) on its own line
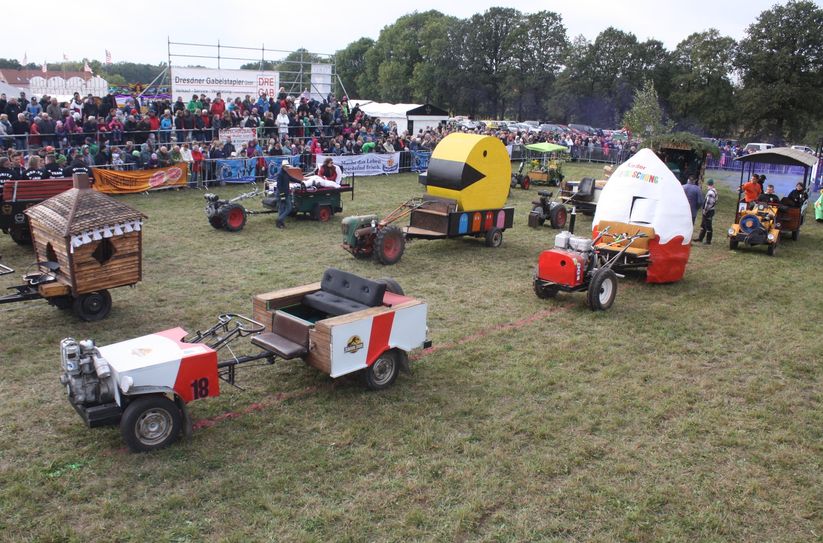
point(289, 338)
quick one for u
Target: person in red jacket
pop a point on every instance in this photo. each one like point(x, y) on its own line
point(218, 106)
point(197, 165)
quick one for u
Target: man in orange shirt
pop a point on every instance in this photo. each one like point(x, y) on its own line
point(751, 189)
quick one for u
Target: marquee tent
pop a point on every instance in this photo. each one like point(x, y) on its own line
point(411, 117)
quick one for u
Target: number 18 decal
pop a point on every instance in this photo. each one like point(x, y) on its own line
point(200, 388)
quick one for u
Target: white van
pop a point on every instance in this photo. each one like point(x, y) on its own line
point(804, 148)
point(755, 147)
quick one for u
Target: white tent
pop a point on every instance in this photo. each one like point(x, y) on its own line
point(411, 117)
point(10, 90)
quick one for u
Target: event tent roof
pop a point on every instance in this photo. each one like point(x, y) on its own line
point(781, 155)
point(387, 111)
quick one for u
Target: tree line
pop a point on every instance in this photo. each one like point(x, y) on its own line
point(507, 64)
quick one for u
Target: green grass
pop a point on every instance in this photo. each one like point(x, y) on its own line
point(687, 412)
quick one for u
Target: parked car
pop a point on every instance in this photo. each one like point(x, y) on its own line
point(755, 147)
point(803, 148)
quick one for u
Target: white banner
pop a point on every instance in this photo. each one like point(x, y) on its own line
point(368, 164)
point(320, 81)
point(231, 83)
point(238, 135)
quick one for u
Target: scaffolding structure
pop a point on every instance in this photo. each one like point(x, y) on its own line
point(295, 78)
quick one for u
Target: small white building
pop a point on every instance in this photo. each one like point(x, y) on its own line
point(411, 117)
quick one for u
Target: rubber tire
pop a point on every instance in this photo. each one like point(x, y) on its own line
point(92, 306)
point(20, 237)
point(539, 211)
point(558, 216)
point(136, 409)
point(231, 210)
point(494, 237)
point(216, 222)
point(771, 249)
point(387, 362)
point(795, 234)
point(607, 277)
point(527, 182)
point(322, 213)
point(733, 243)
point(545, 292)
point(392, 285)
point(391, 238)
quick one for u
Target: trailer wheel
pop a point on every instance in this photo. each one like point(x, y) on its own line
point(383, 371)
point(771, 249)
point(20, 236)
point(557, 216)
point(216, 222)
point(392, 285)
point(544, 292)
point(541, 218)
point(93, 306)
point(389, 245)
point(602, 290)
point(526, 183)
point(233, 217)
point(494, 237)
point(322, 213)
point(150, 423)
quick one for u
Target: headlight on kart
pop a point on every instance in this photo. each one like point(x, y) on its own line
point(731, 231)
point(770, 237)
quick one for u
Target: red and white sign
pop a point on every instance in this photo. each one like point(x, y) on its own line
point(231, 84)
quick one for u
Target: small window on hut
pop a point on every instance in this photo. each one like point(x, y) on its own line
point(51, 256)
point(104, 252)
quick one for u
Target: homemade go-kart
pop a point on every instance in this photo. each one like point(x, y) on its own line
point(546, 170)
point(85, 243)
point(318, 202)
point(466, 185)
point(762, 222)
point(341, 325)
point(21, 195)
point(643, 221)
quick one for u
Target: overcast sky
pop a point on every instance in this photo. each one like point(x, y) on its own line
point(138, 31)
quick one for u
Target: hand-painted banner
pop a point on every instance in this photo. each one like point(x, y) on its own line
point(420, 160)
point(117, 182)
point(244, 170)
point(368, 164)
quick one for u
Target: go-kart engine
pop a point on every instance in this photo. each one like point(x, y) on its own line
point(86, 374)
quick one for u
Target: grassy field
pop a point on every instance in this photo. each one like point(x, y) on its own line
point(687, 412)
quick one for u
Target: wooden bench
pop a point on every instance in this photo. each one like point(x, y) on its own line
point(609, 241)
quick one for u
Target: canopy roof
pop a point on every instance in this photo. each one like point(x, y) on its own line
point(387, 111)
point(684, 141)
point(546, 147)
point(781, 155)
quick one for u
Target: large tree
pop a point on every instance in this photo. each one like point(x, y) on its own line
point(781, 67)
point(350, 64)
point(702, 94)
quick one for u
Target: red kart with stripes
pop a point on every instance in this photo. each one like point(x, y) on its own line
point(341, 325)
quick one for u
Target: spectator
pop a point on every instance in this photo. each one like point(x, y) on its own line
point(35, 172)
point(693, 195)
point(282, 124)
point(33, 108)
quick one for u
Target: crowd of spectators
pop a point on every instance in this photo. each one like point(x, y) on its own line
point(98, 133)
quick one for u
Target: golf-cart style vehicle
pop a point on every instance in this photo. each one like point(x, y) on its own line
point(467, 184)
point(545, 170)
point(643, 222)
point(762, 222)
point(309, 198)
point(342, 325)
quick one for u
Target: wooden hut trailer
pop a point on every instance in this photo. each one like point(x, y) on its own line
point(96, 241)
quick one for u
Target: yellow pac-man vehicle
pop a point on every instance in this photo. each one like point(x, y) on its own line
point(467, 184)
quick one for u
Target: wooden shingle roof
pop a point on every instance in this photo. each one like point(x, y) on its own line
point(80, 210)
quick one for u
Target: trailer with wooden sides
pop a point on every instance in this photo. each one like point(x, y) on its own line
point(85, 244)
point(340, 325)
point(19, 195)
